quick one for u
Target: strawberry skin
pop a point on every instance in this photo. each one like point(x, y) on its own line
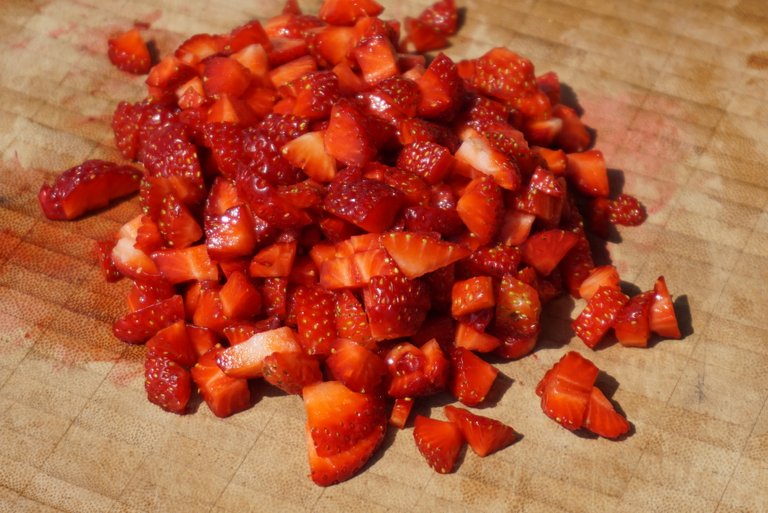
point(396, 306)
point(291, 371)
point(138, 326)
point(599, 315)
point(167, 384)
point(439, 442)
point(545, 250)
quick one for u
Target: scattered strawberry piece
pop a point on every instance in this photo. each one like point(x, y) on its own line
point(472, 377)
point(223, 394)
point(602, 418)
point(291, 371)
point(633, 322)
point(442, 16)
point(588, 173)
point(401, 410)
point(626, 210)
point(663, 318)
point(603, 276)
point(480, 208)
point(129, 52)
point(599, 315)
point(167, 384)
point(484, 435)
point(439, 442)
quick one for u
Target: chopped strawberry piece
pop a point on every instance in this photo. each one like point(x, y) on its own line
point(415, 371)
point(225, 76)
point(232, 233)
point(346, 12)
point(427, 159)
point(369, 204)
point(515, 346)
point(167, 384)
point(602, 418)
point(128, 51)
point(223, 394)
point(599, 315)
point(603, 276)
point(103, 250)
point(125, 125)
point(626, 210)
point(441, 89)
point(180, 265)
point(417, 254)
point(475, 340)
point(308, 153)
point(351, 320)
point(396, 306)
point(472, 377)
point(295, 64)
point(291, 371)
point(89, 186)
point(358, 368)
point(246, 360)
point(176, 223)
point(484, 435)
point(199, 47)
point(348, 137)
point(493, 260)
point(201, 340)
point(423, 36)
point(439, 442)
point(477, 152)
point(442, 16)
point(587, 171)
point(481, 207)
point(274, 261)
point(245, 35)
point(663, 318)
point(472, 295)
point(545, 250)
point(140, 325)
point(240, 299)
point(633, 323)
point(316, 320)
point(376, 58)
point(172, 342)
point(401, 410)
point(565, 390)
point(573, 136)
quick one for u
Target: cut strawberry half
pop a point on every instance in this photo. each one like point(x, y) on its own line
point(602, 418)
point(167, 384)
point(484, 435)
point(439, 442)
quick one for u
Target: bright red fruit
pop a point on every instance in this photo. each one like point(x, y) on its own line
point(484, 435)
point(138, 326)
point(128, 51)
point(168, 385)
point(472, 377)
point(439, 442)
point(599, 315)
point(223, 394)
point(291, 371)
point(663, 318)
point(396, 306)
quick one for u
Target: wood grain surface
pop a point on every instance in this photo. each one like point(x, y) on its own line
point(678, 95)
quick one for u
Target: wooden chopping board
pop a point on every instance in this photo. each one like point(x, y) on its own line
point(677, 92)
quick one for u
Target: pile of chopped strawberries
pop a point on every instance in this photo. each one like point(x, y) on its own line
point(359, 225)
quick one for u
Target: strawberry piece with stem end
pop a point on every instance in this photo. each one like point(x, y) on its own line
point(481, 207)
point(602, 418)
point(472, 377)
point(544, 250)
point(358, 368)
point(599, 315)
point(603, 276)
point(396, 306)
point(223, 394)
point(483, 434)
point(167, 384)
point(587, 171)
point(472, 295)
point(246, 360)
point(128, 51)
point(439, 442)
point(291, 371)
point(338, 418)
point(401, 410)
point(140, 325)
point(172, 342)
point(417, 254)
point(633, 322)
point(89, 186)
point(663, 318)
point(316, 320)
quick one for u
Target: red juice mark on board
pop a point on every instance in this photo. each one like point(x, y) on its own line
point(757, 60)
point(127, 370)
point(62, 31)
point(21, 44)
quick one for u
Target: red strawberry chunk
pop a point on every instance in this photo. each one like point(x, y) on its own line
point(472, 377)
point(167, 384)
point(138, 326)
point(240, 299)
point(633, 323)
point(369, 204)
point(599, 315)
point(348, 138)
point(445, 222)
point(439, 442)
point(544, 250)
point(103, 250)
point(316, 320)
point(346, 12)
point(233, 234)
point(441, 89)
point(427, 159)
point(423, 36)
point(358, 368)
point(663, 318)
point(587, 171)
point(480, 208)
point(483, 434)
point(176, 223)
point(442, 16)
point(89, 186)
point(626, 210)
point(180, 265)
point(274, 261)
point(376, 58)
point(603, 276)
point(223, 394)
point(129, 52)
point(573, 136)
point(308, 153)
point(396, 306)
point(291, 371)
point(495, 261)
point(351, 320)
point(173, 342)
point(315, 93)
point(401, 410)
point(472, 295)
point(246, 360)
point(125, 125)
point(417, 254)
point(602, 418)
point(224, 76)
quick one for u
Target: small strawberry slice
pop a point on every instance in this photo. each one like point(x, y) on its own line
point(348, 138)
point(138, 326)
point(167, 384)
point(274, 261)
point(246, 360)
point(417, 254)
point(470, 338)
point(180, 265)
point(307, 152)
point(441, 89)
point(407, 365)
point(565, 390)
point(368, 204)
point(587, 171)
point(172, 342)
point(291, 371)
point(573, 136)
point(472, 295)
point(442, 16)
point(599, 315)
point(201, 340)
point(240, 299)
point(329, 470)
point(396, 306)
point(199, 47)
point(358, 368)
point(351, 320)
point(480, 208)
point(245, 35)
point(438, 441)
point(89, 186)
point(603, 276)
point(518, 309)
point(484, 435)
point(401, 410)
point(544, 250)
point(376, 58)
point(515, 346)
point(316, 321)
point(128, 51)
point(423, 36)
point(346, 12)
point(515, 227)
point(223, 394)
point(626, 210)
point(663, 318)
point(427, 159)
point(602, 418)
point(633, 323)
point(233, 233)
point(493, 260)
point(103, 252)
point(472, 377)
point(293, 62)
point(338, 418)
point(125, 125)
